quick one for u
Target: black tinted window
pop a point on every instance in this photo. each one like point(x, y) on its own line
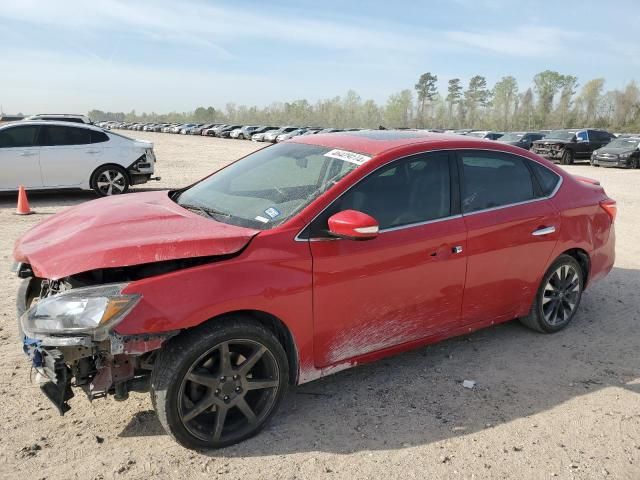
point(58, 135)
point(546, 178)
point(598, 136)
point(98, 137)
point(24, 136)
point(413, 190)
point(493, 180)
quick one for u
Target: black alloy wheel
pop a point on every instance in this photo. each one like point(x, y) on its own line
point(220, 386)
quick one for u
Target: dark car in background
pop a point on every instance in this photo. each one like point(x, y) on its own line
point(226, 131)
point(568, 145)
point(621, 152)
point(521, 139)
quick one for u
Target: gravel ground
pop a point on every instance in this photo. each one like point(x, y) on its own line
point(564, 405)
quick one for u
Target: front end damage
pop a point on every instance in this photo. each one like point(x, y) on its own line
point(103, 365)
point(549, 150)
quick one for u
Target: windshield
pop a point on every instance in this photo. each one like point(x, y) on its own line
point(630, 143)
point(269, 186)
point(511, 137)
point(561, 135)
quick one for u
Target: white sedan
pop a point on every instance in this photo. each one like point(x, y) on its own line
point(58, 155)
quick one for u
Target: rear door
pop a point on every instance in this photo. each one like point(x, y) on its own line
point(68, 157)
point(20, 157)
point(513, 228)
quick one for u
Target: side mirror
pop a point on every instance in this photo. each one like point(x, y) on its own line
point(353, 225)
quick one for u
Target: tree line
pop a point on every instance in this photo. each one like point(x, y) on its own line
point(553, 100)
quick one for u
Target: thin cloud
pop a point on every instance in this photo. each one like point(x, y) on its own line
point(527, 41)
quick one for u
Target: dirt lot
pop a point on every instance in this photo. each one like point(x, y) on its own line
point(565, 405)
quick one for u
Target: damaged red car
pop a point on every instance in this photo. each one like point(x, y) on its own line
point(300, 260)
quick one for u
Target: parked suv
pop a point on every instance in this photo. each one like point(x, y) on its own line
point(569, 145)
point(61, 117)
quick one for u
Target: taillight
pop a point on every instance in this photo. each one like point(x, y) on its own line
point(610, 207)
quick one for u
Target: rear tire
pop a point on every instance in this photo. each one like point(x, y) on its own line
point(109, 180)
point(558, 296)
point(219, 384)
point(567, 157)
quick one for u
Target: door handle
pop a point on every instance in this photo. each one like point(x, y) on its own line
point(456, 249)
point(28, 154)
point(93, 151)
point(544, 231)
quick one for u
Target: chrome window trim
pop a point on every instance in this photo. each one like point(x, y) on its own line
point(451, 217)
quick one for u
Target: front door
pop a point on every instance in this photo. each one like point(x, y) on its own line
point(68, 157)
point(407, 282)
point(20, 157)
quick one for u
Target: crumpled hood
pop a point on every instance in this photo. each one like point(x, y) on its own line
point(121, 231)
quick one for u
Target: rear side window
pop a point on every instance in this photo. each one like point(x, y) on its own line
point(493, 180)
point(98, 137)
point(57, 135)
point(23, 136)
point(547, 179)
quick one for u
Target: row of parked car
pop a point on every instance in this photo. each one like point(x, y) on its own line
point(257, 133)
point(564, 146)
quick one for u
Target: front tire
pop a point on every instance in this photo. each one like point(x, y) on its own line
point(567, 157)
point(110, 180)
point(219, 384)
point(558, 296)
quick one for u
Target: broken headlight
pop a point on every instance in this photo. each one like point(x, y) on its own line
point(83, 311)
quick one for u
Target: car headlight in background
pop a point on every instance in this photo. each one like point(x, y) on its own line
point(625, 155)
point(84, 311)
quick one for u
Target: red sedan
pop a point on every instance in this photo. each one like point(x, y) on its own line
point(300, 260)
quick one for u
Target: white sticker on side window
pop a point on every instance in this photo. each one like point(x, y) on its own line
point(347, 156)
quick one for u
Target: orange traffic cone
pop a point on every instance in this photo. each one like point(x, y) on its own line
point(23, 203)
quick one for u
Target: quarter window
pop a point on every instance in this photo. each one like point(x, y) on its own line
point(98, 137)
point(547, 179)
point(493, 180)
point(23, 136)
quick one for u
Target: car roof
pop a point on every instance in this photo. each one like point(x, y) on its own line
point(55, 122)
point(374, 142)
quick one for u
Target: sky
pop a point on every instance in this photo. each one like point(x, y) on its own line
point(156, 55)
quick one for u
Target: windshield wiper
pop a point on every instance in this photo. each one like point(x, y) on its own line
point(210, 212)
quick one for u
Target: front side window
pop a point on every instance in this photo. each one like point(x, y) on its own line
point(492, 180)
point(22, 136)
point(269, 186)
point(408, 191)
point(581, 136)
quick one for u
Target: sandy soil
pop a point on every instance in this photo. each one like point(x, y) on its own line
point(564, 405)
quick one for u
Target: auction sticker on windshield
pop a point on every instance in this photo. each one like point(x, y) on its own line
point(347, 156)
